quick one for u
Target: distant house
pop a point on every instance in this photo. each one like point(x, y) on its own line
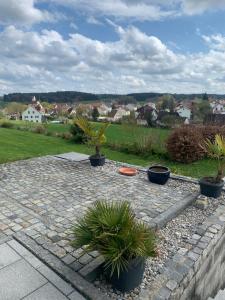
point(31, 114)
point(219, 109)
point(183, 111)
point(141, 114)
point(34, 113)
point(117, 114)
point(103, 109)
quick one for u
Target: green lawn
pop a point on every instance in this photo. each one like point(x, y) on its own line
point(114, 133)
point(17, 145)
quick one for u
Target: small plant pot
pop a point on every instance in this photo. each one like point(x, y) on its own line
point(158, 174)
point(130, 278)
point(209, 188)
point(97, 161)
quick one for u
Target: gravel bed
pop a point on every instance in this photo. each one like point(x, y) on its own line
point(171, 238)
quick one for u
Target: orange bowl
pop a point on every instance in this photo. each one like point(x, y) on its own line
point(128, 171)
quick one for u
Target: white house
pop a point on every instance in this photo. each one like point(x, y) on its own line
point(219, 109)
point(117, 114)
point(104, 109)
point(183, 111)
point(31, 114)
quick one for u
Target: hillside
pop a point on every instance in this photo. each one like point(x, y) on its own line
point(73, 97)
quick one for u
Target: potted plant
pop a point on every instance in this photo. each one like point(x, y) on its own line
point(212, 186)
point(95, 137)
point(158, 174)
point(112, 229)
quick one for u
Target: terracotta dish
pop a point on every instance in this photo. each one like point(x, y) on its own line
point(128, 171)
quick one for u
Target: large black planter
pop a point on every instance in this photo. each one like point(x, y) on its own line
point(210, 189)
point(158, 174)
point(130, 278)
point(97, 161)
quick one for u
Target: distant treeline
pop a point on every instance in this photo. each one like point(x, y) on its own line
point(73, 97)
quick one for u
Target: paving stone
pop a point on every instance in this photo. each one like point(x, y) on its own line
point(18, 280)
point(76, 296)
point(46, 292)
point(64, 287)
point(7, 256)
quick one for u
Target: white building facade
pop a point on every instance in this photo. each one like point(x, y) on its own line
point(31, 114)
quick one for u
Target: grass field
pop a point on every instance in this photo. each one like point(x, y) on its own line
point(17, 145)
point(114, 133)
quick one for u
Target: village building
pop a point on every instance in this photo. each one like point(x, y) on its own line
point(183, 111)
point(117, 114)
point(34, 113)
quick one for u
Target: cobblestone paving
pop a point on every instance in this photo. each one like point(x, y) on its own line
point(43, 197)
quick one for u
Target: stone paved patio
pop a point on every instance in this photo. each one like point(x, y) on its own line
point(23, 276)
point(43, 197)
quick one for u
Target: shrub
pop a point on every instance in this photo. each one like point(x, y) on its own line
point(39, 129)
point(113, 230)
point(67, 135)
point(209, 132)
point(216, 150)
point(77, 134)
point(183, 145)
point(6, 124)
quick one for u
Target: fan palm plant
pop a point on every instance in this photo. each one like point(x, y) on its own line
point(216, 150)
point(212, 186)
point(112, 229)
point(95, 137)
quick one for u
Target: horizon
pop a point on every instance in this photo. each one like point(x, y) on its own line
point(116, 47)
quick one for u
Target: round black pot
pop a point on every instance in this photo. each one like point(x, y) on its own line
point(158, 174)
point(210, 189)
point(131, 277)
point(97, 161)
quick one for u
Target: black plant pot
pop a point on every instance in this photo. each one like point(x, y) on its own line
point(97, 161)
point(209, 188)
point(131, 277)
point(158, 174)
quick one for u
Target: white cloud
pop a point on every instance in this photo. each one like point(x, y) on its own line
point(192, 7)
point(142, 10)
point(22, 12)
point(93, 20)
point(136, 62)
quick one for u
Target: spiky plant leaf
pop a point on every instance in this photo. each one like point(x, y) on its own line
point(112, 229)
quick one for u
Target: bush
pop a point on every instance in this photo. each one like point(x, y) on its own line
point(78, 135)
point(39, 129)
point(183, 145)
point(113, 231)
point(67, 135)
point(209, 132)
point(6, 124)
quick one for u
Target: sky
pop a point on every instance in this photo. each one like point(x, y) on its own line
point(112, 46)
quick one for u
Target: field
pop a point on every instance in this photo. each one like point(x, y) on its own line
point(16, 144)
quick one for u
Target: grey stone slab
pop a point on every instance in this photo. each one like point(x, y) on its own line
point(7, 256)
point(76, 296)
point(27, 255)
point(18, 280)
point(73, 156)
point(63, 286)
point(46, 292)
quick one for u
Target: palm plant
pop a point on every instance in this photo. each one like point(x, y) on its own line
point(95, 137)
point(216, 150)
point(112, 229)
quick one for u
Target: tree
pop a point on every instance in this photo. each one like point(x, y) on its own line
point(95, 114)
point(15, 107)
point(205, 97)
point(148, 114)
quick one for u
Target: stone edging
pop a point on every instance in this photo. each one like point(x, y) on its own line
point(65, 272)
point(182, 268)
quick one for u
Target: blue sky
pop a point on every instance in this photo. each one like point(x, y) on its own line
point(112, 46)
